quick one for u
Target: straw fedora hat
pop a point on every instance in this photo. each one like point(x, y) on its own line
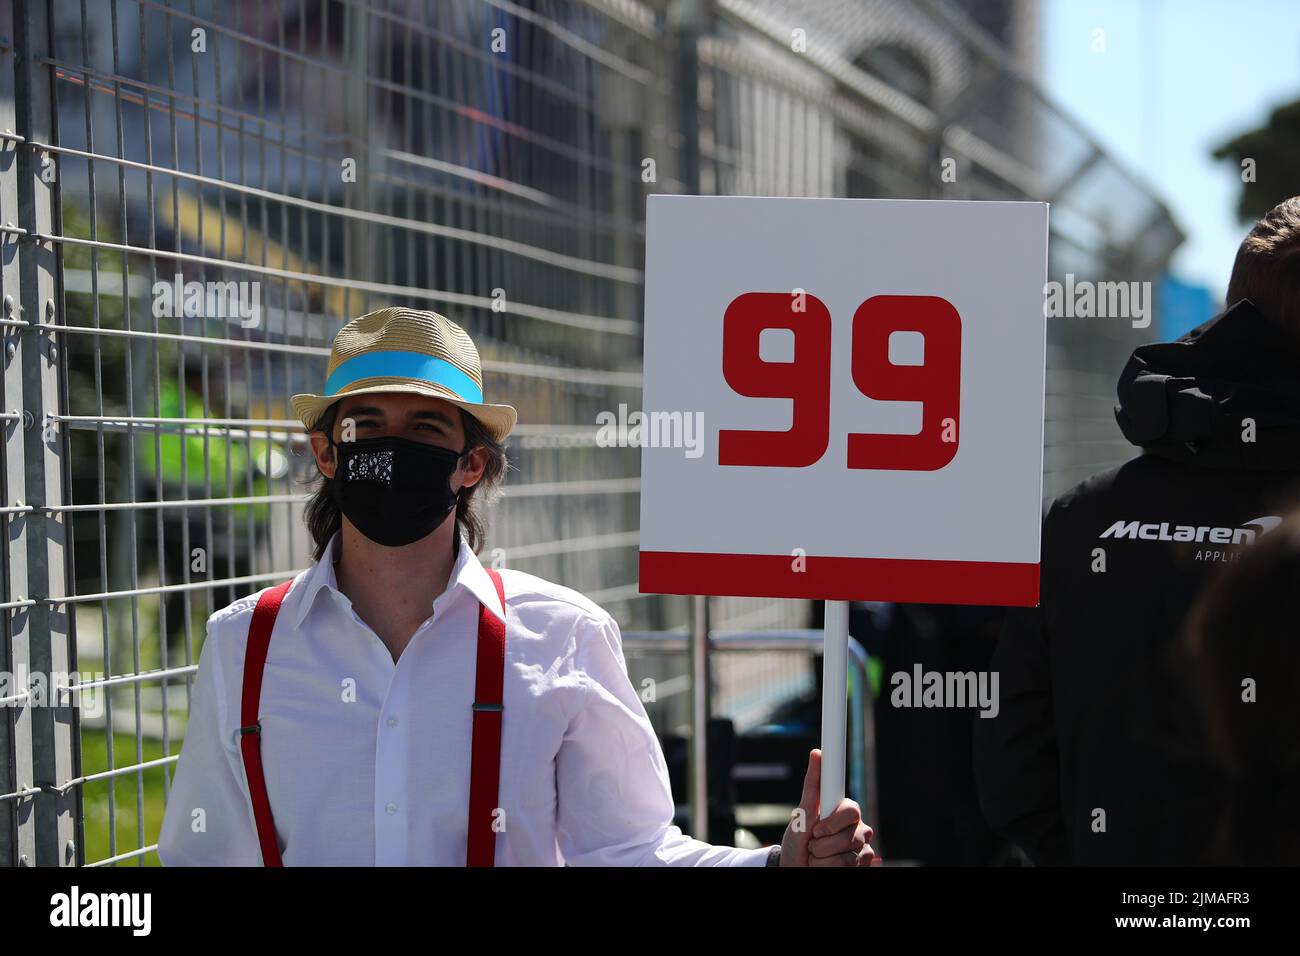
point(405, 350)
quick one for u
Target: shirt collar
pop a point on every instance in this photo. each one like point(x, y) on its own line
point(468, 573)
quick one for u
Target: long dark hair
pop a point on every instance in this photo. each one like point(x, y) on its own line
point(323, 518)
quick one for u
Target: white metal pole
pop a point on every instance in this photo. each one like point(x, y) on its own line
point(835, 693)
point(699, 747)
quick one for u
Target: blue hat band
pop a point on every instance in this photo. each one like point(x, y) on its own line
point(415, 365)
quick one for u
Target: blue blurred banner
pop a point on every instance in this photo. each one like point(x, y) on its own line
point(1183, 306)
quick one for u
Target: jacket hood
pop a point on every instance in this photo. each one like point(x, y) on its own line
point(1188, 399)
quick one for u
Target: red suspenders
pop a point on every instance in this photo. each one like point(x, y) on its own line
point(250, 728)
point(485, 748)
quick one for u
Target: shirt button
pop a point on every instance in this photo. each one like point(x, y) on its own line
point(390, 809)
point(392, 721)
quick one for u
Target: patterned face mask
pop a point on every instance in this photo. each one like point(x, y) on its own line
point(394, 490)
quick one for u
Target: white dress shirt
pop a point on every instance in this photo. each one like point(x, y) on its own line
point(367, 761)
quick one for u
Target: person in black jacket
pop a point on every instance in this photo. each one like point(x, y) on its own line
point(1095, 756)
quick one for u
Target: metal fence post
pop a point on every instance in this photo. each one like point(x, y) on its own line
point(17, 823)
point(53, 728)
point(358, 251)
point(690, 20)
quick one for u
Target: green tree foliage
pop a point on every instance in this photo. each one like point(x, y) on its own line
point(1275, 151)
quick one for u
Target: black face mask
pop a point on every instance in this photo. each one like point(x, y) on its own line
point(396, 491)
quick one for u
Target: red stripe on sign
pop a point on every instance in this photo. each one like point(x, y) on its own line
point(840, 579)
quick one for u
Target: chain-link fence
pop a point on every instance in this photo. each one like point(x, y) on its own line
point(196, 195)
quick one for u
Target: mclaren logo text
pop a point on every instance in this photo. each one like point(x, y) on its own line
point(1164, 531)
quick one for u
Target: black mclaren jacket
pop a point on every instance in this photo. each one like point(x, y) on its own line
point(1096, 755)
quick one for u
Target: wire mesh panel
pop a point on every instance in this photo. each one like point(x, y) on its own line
point(236, 180)
point(198, 194)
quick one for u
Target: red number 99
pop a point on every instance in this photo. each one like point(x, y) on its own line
point(936, 382)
